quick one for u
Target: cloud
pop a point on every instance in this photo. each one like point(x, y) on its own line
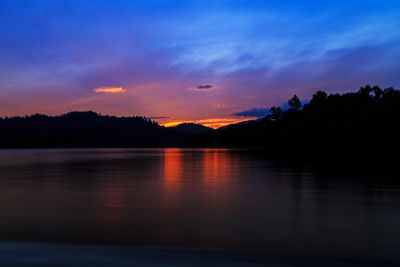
point(205, 87)
point(156, 59)
point(254, 112)
point(112, 90)
point(262, 112)
point(156, 118)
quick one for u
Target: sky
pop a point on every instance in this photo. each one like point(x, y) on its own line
point(211, 62)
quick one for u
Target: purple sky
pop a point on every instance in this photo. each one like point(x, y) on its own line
point(190, 60)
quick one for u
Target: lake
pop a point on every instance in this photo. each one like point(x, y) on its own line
point(212, 201)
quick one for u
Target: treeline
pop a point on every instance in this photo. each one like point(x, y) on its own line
point(87, 129)
point(366, 123)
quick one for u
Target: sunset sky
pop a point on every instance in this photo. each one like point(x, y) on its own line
point(203, 61)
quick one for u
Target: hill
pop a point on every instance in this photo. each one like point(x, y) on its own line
point(87, 129)
point(365, 123)
point(335, 125)
point(192, 128)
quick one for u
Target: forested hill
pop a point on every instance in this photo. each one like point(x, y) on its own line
point(87, 129)
point(366, 122)
point(192, 128)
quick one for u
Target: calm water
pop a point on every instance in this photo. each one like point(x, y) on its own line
point(204, 199)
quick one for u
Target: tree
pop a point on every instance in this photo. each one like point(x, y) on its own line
point(365, 91)
point(319, 98)
point(377, 91)
point(294, 103)
point(390, 92)
point(276, 113)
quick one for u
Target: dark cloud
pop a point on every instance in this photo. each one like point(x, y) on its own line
point(262, 112)
point(205, 87)
point(156, 118)
point(202, 87)
point(254, 112)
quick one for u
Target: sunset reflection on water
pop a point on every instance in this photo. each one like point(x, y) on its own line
point(173, 170)
point(217, 167)
point(192, 198)
point(212, 169)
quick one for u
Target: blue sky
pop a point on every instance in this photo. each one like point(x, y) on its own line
point(254, 54)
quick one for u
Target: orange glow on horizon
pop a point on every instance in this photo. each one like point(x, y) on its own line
point(214, 123)
point(112, 90)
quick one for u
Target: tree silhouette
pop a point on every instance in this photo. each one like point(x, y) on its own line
point(319, 98)
point(362, 123)
point(365, 91)
point(88, 129)
point(294, 103)
point(377, 92)
point(355, 124)
point(276, 113)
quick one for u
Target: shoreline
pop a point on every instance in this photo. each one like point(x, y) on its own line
point(49, 254)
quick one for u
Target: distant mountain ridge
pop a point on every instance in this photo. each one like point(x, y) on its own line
point(192, 128)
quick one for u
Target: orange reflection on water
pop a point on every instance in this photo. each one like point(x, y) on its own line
point(172, 170)
point(216, 165)
point(217, 183)
point(208, 170)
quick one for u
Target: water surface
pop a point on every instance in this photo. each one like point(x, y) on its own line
point(204, 199)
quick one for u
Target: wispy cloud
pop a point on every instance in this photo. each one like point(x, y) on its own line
point(229, 60)
point(112, 90)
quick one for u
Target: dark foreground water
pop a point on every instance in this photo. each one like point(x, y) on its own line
point(120, 207)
